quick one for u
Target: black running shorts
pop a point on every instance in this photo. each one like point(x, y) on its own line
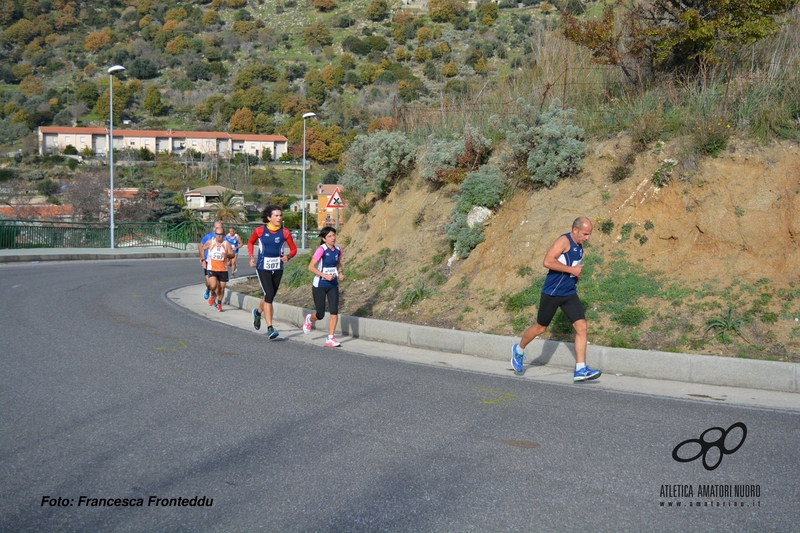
point(571, 305)
point(222, 276)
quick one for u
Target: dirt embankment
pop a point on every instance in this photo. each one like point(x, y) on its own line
point(722, 222)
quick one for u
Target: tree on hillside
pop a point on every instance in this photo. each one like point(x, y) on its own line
point(87, 93)
point(142, 68)
point(643, 37)
point(242, 121)
point(152, 100)
point(122, 95)
point(324, 5)
point(97, 40)
point(317, 33)
point(377, 10)
point(446, 10)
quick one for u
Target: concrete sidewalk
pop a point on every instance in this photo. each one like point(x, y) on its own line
point(692, 377)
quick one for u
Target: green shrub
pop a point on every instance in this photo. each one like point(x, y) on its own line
point(558, 149)
point(607, 226)
point(463, 238)
point(48, 187)
point(449, 161)
point(7, 174)
point(712, 140)
point(550, 144)
point(620, 173)
point(484, 188)
point(662, 176)
point(374, 162)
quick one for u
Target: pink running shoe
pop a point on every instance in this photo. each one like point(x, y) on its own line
point(212, 298)
point(219, 306)
point(332, 342)
point(307, 324)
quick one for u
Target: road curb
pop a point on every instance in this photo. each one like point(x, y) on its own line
point(688, 368)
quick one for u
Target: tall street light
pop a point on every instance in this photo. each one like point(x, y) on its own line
point(303, 203)
point(111, 71)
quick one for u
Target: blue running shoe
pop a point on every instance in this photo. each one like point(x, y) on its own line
point(272, 334)
point(256, 320)
point(206, 294)
point(585, 374)
point(516, 358)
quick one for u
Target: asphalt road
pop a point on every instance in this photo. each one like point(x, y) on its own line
point(110, 391)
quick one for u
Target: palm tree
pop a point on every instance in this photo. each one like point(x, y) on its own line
point(228, 210)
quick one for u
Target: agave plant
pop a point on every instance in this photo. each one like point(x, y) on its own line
point(724, 326)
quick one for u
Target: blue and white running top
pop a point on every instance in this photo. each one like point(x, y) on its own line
point(327, 260)
point(270, 249)
point(561, 283)
point(234, 241)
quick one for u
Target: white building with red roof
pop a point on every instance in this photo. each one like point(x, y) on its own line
point(55, 139)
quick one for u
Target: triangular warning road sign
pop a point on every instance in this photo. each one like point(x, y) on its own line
point(335, 200)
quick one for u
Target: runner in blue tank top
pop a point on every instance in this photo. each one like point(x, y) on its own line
point(564, 263)
point(271, 238)
point(326, 265)
point(236, 242)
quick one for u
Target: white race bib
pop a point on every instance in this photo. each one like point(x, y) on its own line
point(271, 263)
point(329, 270)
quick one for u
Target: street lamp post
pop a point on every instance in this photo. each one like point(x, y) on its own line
point(111, 71)
point(303, 203)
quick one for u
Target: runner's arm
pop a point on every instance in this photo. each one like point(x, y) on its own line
point(551, 261)
point(292, 247)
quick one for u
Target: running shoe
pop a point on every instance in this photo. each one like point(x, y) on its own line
point(585, 374)
point(516, 359)
point(206, 294)
point(307, 324)
point(332, 342)
point(219, 306)
point(256, 320)
point(212, 298)
point(272, 333)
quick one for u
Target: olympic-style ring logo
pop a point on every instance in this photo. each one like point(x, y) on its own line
point(707, 446)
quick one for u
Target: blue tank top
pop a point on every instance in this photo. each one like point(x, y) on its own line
point(327, 265)
point(561, 283)
point(270, 248)
point(233, 241)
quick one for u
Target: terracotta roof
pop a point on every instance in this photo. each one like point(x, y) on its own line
point(37, 211)
point(327, 189)
point(67, 129)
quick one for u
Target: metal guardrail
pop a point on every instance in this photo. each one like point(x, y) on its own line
point(16, 234)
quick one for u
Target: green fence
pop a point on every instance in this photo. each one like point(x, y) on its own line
point(56, 234)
